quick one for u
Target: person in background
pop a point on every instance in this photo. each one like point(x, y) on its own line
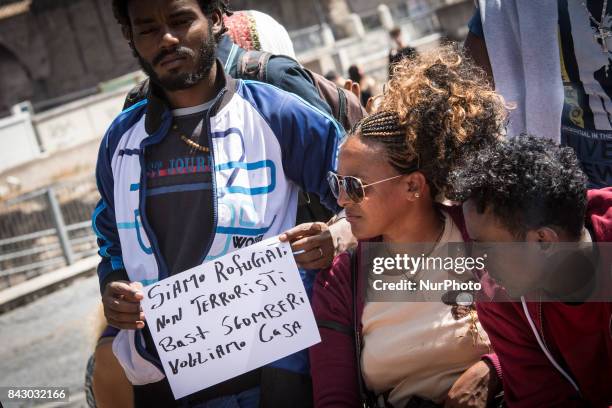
point(399, 49)
point(550, 353)
point(392, 175)
point(367, 84)
point(335, 78)
point(552, 62)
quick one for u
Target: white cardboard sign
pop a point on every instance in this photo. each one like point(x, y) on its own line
point(229, 316)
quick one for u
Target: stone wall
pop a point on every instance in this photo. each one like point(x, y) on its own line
point(55, 51)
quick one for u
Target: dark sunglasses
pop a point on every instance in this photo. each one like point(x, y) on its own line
point(352, 186)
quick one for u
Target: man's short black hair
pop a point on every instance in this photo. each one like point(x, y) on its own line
point(120, 9)
point(528, 183)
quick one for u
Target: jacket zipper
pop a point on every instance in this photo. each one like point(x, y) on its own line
point(213, 174)
point(161, 263)
point(141, 349)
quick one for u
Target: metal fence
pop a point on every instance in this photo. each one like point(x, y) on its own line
point(45, 230)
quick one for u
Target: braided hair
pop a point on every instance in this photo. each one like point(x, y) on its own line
point(437, 109)
point(384, 128)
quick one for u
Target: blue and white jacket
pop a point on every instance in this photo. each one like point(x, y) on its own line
point(266, 144)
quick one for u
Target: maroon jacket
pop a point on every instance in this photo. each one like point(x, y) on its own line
point(333, 361)
point(578, 337)
point(581, 334)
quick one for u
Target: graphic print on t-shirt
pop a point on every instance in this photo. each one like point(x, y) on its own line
point(587, 78)
point(159, 170)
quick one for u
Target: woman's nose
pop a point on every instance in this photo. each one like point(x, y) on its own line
point(343, 199)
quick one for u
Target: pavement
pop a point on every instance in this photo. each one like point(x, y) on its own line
point(29, 290)
point(47, 342)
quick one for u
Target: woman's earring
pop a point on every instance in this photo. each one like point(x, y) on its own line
point(417, 195)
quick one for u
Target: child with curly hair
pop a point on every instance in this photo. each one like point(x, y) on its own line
point(392, 175)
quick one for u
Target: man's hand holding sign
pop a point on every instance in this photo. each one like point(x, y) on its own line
point(229, 316)
point(121, 300)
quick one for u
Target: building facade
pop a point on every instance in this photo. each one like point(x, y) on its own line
point(53, 51)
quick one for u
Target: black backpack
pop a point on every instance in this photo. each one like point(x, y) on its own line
point(345, 106)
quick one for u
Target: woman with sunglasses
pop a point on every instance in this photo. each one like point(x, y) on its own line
point(392, 169)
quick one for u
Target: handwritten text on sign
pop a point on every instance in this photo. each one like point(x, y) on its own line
point(229, 316)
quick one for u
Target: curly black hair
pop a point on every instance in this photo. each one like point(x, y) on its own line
point(120, 9)
point(527, 182)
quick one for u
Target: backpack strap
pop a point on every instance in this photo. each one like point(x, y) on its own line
point(356, 332)
point(370, 400)
point(330, 324)
point(254, 65)
point(368, 397)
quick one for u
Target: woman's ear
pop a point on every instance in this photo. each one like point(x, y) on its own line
point(415, 186)
point(544, 235)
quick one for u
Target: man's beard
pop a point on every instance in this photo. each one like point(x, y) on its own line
point(183, 80)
